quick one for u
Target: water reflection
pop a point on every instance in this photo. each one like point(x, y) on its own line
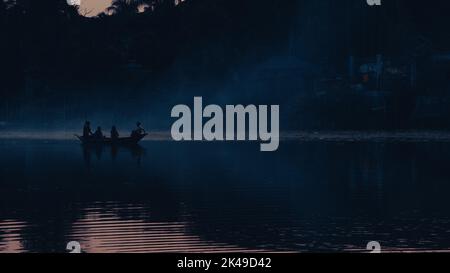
point(136, 152)
point(313, 196)
point(9, 232)
point(109, 231)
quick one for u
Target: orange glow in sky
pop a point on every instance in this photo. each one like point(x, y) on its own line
point(93, 7)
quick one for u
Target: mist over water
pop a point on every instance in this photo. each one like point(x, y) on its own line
point(356, 163)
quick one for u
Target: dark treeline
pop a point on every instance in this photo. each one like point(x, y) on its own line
point(51, 36)
point(48, 41)
point(51, 39)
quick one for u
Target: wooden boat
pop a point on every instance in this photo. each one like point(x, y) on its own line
point(131, 140)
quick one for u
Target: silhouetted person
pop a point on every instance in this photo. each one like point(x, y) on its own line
point(87, 129)
point(139, 130)
point(114, 133)
point(98, 133)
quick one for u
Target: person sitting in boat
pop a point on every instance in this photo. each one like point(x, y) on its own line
point(87, 132)
point(98, 133)
point(114, 133)
point(138, 131)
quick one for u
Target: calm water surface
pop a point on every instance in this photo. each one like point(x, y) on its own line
point(217, 197)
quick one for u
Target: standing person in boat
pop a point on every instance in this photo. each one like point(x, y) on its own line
point(139, 130)
point(114, 133)
point(87, 132)
point(98, 133)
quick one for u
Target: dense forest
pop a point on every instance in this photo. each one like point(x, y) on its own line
point(296, 42)
point(51, 37)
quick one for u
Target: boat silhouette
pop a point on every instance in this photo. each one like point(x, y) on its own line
point(131, 140)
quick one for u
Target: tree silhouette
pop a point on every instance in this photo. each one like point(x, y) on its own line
point(125, 7)
point(42, 8)
point(2, 6)
point(133, 6)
